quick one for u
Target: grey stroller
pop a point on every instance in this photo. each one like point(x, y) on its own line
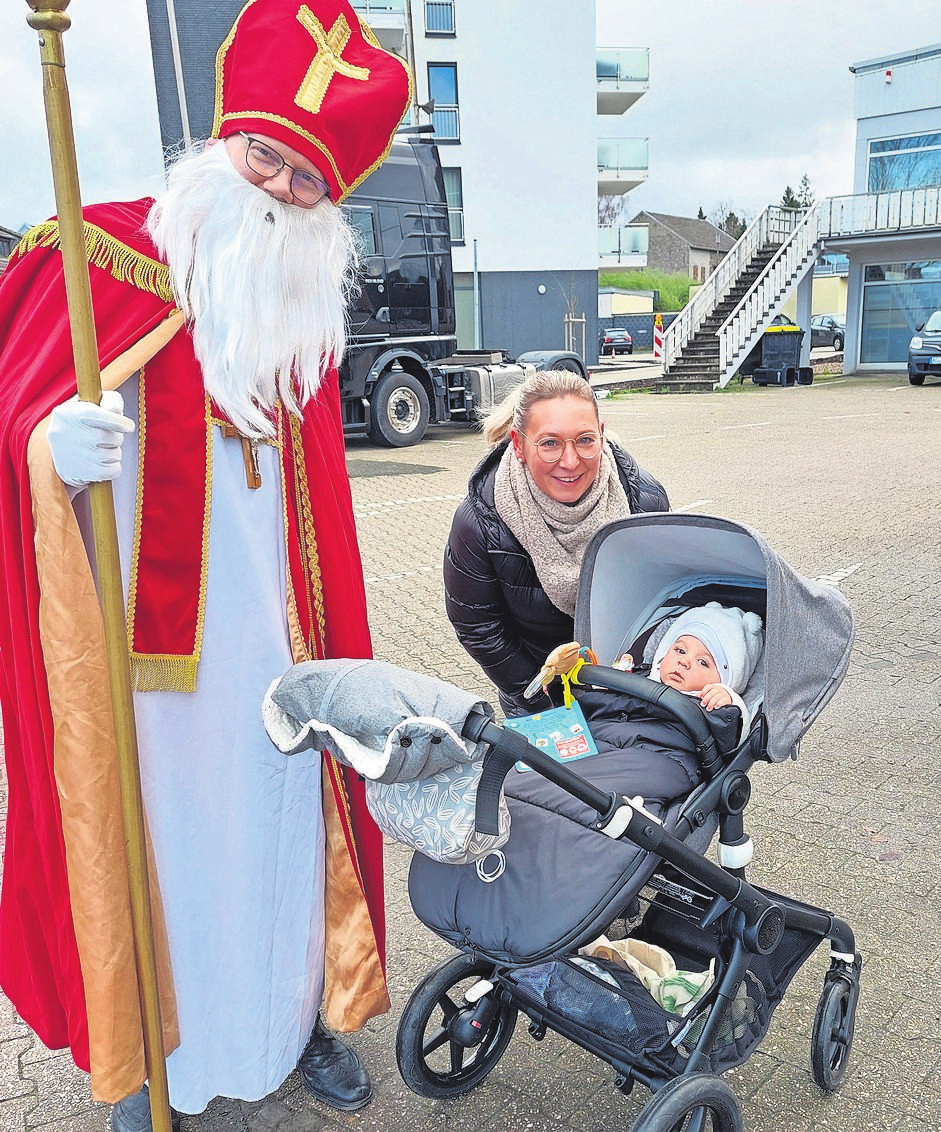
point(582, 851)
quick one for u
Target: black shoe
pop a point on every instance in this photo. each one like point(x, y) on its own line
point(133, 1114)
point(333, 1073)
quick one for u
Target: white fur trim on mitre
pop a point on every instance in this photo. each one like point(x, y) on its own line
point(733, 637)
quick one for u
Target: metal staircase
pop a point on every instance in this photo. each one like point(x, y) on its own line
point(744, 326)
point(705, 345)
point(696, 369)
point(729, 313)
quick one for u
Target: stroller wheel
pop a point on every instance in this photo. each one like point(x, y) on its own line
point(445, 1045)
point(832, 1037)
point(699, 1102)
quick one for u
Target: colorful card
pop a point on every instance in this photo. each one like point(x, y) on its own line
point(561, 733)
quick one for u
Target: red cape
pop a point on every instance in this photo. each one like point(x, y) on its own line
point(39, 962)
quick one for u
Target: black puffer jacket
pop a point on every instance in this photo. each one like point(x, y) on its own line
point(493, 598)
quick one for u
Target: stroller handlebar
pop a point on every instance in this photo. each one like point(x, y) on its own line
point(686, 710)
point(508, 747)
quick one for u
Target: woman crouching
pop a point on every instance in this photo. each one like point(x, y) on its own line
point(517, 541)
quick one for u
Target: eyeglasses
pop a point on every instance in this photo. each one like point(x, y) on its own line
point(264, 161)
point(550, 448)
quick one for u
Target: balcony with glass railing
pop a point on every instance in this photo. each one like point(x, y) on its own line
point(623, 75)
point(387, 18)
point(623, 245)
point(623, 164)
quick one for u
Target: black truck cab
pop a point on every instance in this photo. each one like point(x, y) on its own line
point(402, 317)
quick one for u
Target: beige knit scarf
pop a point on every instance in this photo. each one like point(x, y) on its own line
point(555, 534)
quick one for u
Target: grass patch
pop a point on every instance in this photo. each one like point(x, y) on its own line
point(674, 289)
point(735, 387)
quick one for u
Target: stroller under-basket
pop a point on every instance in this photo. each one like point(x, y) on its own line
point(582, 853)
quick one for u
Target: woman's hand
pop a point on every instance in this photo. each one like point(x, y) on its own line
point(715, 695)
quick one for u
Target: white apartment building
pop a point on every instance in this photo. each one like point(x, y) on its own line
point(514, 90)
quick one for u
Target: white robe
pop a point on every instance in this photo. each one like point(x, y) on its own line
point(237, 827)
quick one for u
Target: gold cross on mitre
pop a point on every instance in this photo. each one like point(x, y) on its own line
point(327, 62)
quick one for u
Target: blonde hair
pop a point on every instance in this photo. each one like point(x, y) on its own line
point(543, 385)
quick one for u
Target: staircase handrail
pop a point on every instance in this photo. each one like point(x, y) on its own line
point(754, 311)
point(771, 224)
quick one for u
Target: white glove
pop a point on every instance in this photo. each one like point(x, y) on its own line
point(85, 438)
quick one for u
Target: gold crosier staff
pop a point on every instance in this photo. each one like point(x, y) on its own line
point(49, 19)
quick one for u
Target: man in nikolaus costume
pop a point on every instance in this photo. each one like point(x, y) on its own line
point(220, 311)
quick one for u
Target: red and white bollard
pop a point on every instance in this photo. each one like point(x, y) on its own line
point(658, 338)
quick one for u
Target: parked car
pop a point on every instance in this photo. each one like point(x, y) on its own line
point(825, 330)
point(924, 350)
point(615, 340)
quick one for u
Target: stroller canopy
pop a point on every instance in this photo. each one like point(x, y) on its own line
point(640, 570)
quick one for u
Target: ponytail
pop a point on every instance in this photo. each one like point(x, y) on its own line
point(543, 385)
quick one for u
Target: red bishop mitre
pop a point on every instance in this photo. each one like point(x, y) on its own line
point(313, 76)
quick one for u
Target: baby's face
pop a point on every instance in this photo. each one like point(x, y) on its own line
point(688, 666)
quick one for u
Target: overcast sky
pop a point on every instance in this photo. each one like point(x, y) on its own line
point(745, 97)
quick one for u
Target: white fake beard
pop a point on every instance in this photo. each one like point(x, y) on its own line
point(263, 284)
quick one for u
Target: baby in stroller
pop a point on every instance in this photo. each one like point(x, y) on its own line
point(708, 653)
point(620, 832)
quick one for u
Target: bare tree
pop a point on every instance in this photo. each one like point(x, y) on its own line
point(724, 216)
point(574, 325)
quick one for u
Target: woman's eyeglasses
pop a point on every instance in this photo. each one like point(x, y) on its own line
point(550, 448)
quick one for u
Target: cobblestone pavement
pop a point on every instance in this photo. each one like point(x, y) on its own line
point(841, 477)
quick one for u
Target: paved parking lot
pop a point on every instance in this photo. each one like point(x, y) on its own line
point(841, 478)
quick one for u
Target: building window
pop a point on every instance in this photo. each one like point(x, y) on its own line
point(897, 297)
point(439, 17)
point(442, 89)
point(912, 162)
point(455, 193)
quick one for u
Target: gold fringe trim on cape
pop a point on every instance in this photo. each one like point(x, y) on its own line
point(108, 253)
point(152, 672)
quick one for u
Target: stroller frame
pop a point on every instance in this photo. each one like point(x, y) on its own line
point(477, 1029)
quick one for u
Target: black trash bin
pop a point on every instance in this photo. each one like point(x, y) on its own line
point(780, 356)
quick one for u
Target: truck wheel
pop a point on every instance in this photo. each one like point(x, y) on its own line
point(399, 410)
